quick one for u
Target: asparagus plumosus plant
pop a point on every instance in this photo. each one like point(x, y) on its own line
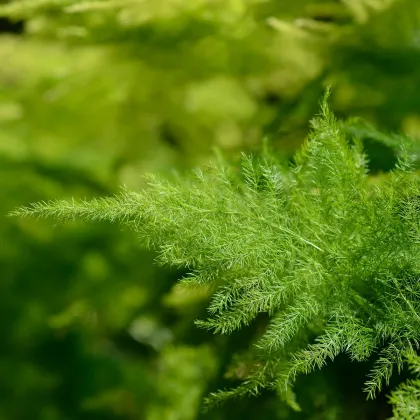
point(332, 258)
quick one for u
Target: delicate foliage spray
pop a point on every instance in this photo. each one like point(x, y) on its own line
point(333, 259)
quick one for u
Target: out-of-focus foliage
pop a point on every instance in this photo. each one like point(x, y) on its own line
point(95, 93)
point(83, 318)
point(156, 72)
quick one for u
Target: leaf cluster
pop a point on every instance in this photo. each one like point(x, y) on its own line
point(332, 259)
point(406, 398)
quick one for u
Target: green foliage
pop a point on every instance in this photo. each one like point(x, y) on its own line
point(95, 93)
point(155, 71)
point(406, 398)
point(84, 327)
point(332, 259)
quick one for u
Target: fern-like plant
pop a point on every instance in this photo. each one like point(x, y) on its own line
point(406, 398)
point(331, 257)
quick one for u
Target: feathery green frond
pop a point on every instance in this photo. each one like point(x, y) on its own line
point(313, 243)
point(406, 398)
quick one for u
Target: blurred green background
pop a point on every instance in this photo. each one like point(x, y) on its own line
point(93, 94)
